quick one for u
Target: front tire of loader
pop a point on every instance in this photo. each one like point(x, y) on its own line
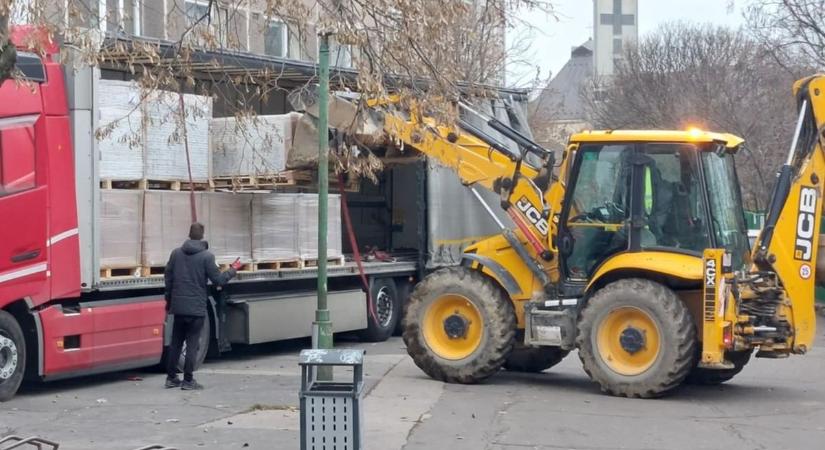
point(459, 326)
point(708, 377)
point(636, 339)
point(533, 359)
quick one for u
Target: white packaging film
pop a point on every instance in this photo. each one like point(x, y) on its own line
point(146, 139)
point(274, 227)
point(165, 147)
point(167, 217)
point(251, 146)
point(228, 222)
point(121, 218)
point(307, 212)
point(121, 127)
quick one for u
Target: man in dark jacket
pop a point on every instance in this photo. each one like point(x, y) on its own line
point(186, 276)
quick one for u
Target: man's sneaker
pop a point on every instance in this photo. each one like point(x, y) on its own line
point(191, 386)
point(172, 382)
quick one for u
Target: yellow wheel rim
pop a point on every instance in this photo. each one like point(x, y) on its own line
point(628, 340)
point(452, 327)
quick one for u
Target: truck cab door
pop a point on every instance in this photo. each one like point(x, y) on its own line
point(23, 211)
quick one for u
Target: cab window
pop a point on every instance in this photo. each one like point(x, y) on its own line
point(17, 160)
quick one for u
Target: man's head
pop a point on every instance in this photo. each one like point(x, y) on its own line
point(196, 231)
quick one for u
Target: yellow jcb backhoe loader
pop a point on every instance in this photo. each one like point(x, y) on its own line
point(635, 253)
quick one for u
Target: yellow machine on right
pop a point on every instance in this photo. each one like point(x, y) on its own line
point(635, 254)
point(632, 249)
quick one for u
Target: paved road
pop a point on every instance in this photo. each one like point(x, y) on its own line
point(251, 401)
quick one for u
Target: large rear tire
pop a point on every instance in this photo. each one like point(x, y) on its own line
point(533, 359)
point(12, 356)
point(708, 377)
point(459, 326)
point(636, 339)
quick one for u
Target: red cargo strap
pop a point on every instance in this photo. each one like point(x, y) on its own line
point(188, 163)
point(354, 244)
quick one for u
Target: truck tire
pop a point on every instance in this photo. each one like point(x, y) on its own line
point(636, 339)
point(205, 339)
point(708, 377)
point(459, 326)
point(12, 356)
point(387, 311)
point(533, 359)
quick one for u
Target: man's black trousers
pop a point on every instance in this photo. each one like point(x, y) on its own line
point(186, 329)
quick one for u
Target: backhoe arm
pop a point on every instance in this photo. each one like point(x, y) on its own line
point(478, 160)
point(788, 244)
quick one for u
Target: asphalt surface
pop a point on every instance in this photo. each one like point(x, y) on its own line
point(252, 397)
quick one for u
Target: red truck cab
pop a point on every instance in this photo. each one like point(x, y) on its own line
point(47, 330)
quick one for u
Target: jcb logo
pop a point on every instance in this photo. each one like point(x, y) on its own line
point(533, 215)
point(805, 222)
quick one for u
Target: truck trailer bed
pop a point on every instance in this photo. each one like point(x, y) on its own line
point(350, 268)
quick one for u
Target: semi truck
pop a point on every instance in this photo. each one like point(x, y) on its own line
point(60, 318)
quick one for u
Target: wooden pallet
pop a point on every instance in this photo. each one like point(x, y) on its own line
point(119, 272)
point(152, 271)
point(278, 265)
point(260, 182)
point(333, 262)
point(162, 185)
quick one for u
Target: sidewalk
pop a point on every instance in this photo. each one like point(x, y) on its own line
point(250, 402)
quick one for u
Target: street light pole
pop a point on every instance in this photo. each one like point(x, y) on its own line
point(322, 326)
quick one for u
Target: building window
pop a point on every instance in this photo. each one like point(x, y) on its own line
point(275, 40)
point(212, 30)
point(339, 55)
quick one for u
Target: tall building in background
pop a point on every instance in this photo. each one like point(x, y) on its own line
point(615, 24)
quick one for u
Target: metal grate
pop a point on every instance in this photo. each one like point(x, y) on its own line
point(328, 423)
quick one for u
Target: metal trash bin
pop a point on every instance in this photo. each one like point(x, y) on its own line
point(331, 412)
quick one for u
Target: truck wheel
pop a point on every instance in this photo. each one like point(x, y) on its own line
point(387, 311)
point(636, 339)
point(12, 356)
point(459, 326)
point(710, 377)
point(204, 340)
point(533, 359)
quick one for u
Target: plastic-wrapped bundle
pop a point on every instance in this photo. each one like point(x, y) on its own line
point(121, 125)
point(167, 219)
point(121, 218)
point(229, 226)
point(165, 149)
point(274, 227)
point(307, 211)
point(249, 147)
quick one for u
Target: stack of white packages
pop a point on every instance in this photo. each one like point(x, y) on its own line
point(274, 227)
point(228, 226)
point(307, 212)
point(251, 146)
point(121, 130)
point(167, 219)
point(146, 138)
point(121, 218)
point(165, 147)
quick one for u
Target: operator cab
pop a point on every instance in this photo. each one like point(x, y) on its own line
point(649, 191)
